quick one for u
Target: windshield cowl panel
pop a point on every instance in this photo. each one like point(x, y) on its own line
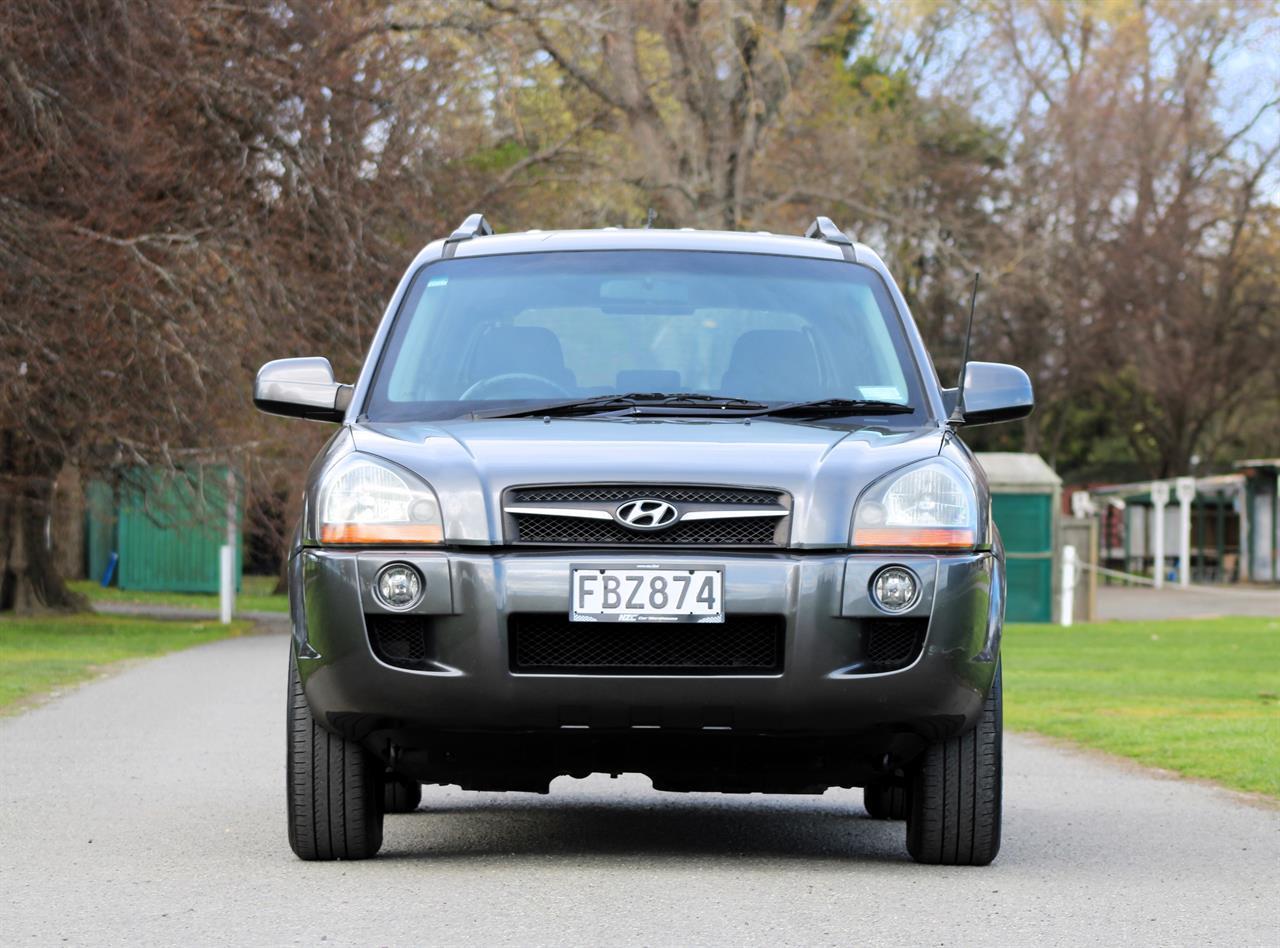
point(645, 333)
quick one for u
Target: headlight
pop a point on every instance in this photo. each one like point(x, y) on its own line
point(363, 502)
point(930, 505)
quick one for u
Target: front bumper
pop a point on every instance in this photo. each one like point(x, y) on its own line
point(472, 689)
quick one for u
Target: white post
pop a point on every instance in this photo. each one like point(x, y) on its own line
point(1241, 507)
point(227, 556)
point(1186, 489)
point(1159, 497)
point(226, 581)
point(1068, 584)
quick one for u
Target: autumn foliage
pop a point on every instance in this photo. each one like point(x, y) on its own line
point(188, 189)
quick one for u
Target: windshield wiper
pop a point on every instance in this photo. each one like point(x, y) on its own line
point(837, 406)
point(655, 402)
point(647, 400)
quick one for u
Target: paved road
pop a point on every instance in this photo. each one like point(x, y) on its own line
point(148, 808)
point(1137, 604)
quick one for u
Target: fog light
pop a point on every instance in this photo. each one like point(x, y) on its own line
point(895, 589)
point(398, 586)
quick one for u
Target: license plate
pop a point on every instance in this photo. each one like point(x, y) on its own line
point(646, 594)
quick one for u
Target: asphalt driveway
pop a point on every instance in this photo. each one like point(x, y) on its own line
point(1141, 604)
point(149, 808)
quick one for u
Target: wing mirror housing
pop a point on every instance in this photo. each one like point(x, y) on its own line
point(301, 388)
point(994, 391)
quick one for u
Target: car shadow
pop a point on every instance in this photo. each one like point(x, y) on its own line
point(651, 825)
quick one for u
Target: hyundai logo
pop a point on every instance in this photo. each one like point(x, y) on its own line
point(646, 514)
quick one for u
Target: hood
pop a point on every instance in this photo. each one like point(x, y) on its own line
point(470, 463)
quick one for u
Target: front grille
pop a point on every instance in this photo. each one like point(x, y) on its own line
point(741, 645)
point(735, 531)
point(399, 640)
point(890, 644)
point(549, 526)
point(611, 493)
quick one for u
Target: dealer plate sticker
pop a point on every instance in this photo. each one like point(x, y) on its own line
point(646, 594)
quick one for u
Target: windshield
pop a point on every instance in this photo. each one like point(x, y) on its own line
point(520, 330)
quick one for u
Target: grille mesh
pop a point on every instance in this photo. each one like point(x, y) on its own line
point(608, 493)
point(399, 640)
point(734, 531)
point(889, 644)
point(741, 645)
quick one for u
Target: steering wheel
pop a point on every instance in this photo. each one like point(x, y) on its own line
point(509, 385)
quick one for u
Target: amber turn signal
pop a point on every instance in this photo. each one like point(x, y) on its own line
point(934, 538)
point(370, 534)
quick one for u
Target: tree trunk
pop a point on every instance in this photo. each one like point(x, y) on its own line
point(29, 577)
point(68, 523)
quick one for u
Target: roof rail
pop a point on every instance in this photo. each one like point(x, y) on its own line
point(824, 229)
point(474, 226)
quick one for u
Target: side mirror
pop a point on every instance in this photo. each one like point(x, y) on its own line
point(995, 392)
point(301, 388)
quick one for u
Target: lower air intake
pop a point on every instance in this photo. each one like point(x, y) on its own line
point(891, 644)
point(741, 645)
point(399, 640)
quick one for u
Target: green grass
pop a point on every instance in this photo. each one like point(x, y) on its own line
point(1199, 697)
point(254, 596)
point(41, 653)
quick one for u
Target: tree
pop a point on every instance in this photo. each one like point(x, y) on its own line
point(110, 253)
point(694, 90)
point(186, 189)
point(1154, 208)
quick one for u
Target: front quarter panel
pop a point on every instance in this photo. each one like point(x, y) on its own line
point(958, 453)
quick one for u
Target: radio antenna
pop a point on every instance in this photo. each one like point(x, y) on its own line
point(957, 413)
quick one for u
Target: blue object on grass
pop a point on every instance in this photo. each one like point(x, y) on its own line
point(110, 571)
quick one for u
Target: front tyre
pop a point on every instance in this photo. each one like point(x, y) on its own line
point(954, 813)
point(334, 794)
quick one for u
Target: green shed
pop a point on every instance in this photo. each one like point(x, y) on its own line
point(166, 526)
point(1026, 505)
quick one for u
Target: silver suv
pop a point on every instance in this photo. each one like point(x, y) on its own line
point(684, 503)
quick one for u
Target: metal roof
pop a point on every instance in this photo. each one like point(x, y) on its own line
point(1264, 464)
point(1009, 468)
point(1140, 491)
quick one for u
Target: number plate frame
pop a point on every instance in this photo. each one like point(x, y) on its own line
point(633, 616)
